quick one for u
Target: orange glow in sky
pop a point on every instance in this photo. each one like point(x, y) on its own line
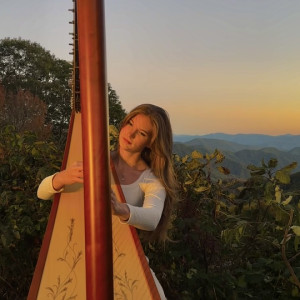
point(215, 66)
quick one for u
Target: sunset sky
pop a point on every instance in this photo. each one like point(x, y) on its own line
point(227, 66)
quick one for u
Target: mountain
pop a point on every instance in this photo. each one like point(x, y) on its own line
point(238, 156)
point(258, 141)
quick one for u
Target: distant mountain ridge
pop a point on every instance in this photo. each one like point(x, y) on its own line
point(239, 156)
point(255, 141)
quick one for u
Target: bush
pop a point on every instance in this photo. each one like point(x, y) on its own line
point(231, 239)
point(24, 161)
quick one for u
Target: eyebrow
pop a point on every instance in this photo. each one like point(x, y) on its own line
point(143, 130)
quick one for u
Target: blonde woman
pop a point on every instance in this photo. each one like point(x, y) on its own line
point(143, 163)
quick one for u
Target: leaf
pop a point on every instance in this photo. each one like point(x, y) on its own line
point(196, 154)
point(296, 230)
point(290, 167)
point(219, 157)
point(223, 170)
point(201, 189)
point(287, 200)
point(184, 159)
point(272, 163)
point(253, 168)
point(3, 240)
point(277, 194)
point(283, 177)
point(17, 235)
point(260, 171)
point(34, 152)
point(188, 182)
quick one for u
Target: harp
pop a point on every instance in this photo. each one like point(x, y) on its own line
point(87, 253)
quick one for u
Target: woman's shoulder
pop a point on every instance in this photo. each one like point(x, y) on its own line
point(149, 180)
point(149, 175)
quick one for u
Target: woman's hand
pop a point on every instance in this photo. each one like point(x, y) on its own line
point(74, 174)
point(119, 209)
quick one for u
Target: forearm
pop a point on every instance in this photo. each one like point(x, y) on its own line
point(144, 218)
point(45, 190)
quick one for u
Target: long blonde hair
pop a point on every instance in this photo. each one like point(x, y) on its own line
point(159, 159)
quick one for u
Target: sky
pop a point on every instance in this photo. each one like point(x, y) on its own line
point(230, 66)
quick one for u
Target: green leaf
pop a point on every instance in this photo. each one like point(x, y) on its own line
point(201, 189)
point(184, 159)
point(260, 171)
point(223, 170)
point(34, 152)
point(272, 163)
point(17, 235)
point(296, 230)
point(242, 282)
point(219, 156)
point(196, 155)
point(253, 168)
point(188, 182)
point(290, 167)
point(3, 240)
point(283, 176)
point(287, 200)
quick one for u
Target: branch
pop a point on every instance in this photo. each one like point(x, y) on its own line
point(296, 280)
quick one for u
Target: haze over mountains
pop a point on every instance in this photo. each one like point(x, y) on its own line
point(241, 150)
point(281, 142)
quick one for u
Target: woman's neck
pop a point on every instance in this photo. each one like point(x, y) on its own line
point(133, 160)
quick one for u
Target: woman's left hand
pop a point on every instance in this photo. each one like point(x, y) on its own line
point(119, 209)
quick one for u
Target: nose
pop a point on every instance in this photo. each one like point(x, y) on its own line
point(132, 134)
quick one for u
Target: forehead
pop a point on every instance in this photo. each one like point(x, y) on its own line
point(143, 122)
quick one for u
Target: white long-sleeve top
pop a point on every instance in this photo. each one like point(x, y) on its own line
point(145, 199)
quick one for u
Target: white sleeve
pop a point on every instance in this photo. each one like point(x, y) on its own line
point(147, 217)
point(45, 190)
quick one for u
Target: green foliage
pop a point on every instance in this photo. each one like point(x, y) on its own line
point(28, 66)
point(24, 162)
point(231, 239)
point(116, 111)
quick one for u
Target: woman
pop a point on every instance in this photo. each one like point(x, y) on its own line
point(143, 163)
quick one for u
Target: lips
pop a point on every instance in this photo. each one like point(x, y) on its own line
point(126, 141)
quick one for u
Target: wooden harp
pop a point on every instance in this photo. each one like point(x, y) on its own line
point(87, 254)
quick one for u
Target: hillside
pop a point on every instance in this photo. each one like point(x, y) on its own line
point(238, 156)
point(282, 142)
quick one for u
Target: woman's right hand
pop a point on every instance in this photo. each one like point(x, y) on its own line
point(73, 174)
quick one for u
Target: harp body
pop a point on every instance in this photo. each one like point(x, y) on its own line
point(62, 259)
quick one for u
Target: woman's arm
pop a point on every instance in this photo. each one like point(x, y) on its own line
point(146, 213)
point(56, 182)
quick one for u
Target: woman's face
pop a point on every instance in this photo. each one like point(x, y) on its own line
point(136, 134)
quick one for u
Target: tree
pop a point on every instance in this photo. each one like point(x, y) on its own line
point(116, 111)
point(27, 66)
point(24, 111)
